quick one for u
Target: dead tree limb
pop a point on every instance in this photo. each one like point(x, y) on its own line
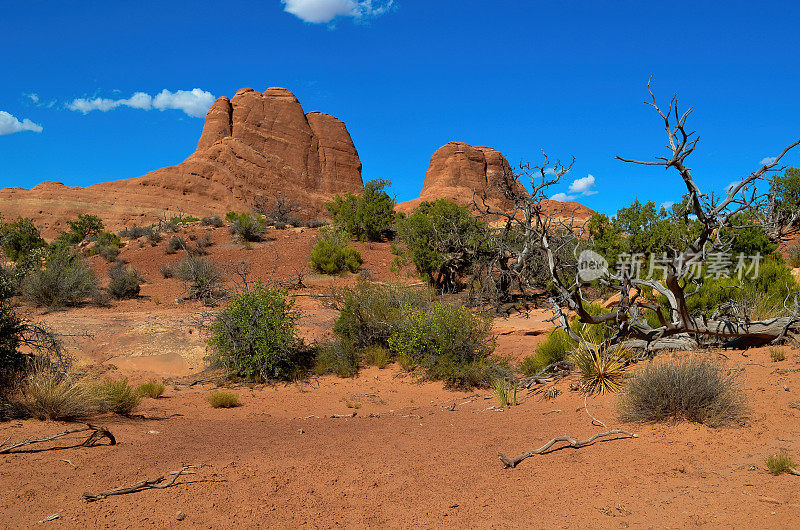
point(156, 483)
point(97, 434)
point(512, 462)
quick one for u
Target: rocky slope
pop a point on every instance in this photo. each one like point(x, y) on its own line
point(255, 144)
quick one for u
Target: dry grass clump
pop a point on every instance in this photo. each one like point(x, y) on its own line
point(52, 396)
point(223, 400)
point(376, 356)
point(116, 396)
point(505, 391)
point(688, 388)
point(781, 462)
point(777, 354)
point(153, 389)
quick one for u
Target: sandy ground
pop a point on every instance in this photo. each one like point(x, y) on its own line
point(415, 454)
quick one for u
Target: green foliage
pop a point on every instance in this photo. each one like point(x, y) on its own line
point(338, 357)
point(654, 231)
point(505, 392)
point(606, 236)
point(331, 255)
point(443, 241)
point(449, 343)
point(213, 221)
point(223, 400)
point(153, 389)
point(107, 245)
point(116, 396)
point(371, 313)
point(366, 217)
point(79, 229)
point(125, 281)
point(231, 216)
point(689, 388)
point(376, 356)
point(793, 256)
point(20, 238)
point(64, 280)
point(201, 275)
point(248, 227)
point(786, 189)
point(601, 368)
point(256, 338)
point(554, 349)
point(781, 462)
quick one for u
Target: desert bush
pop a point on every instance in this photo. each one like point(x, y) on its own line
point(256, 337)
point(280, 213)
point(331, 255)
point(116, 396)
point(449, 343)
point(79, 229)
point(781, 462)
point(777, 354)
point(167, 271)
point(223, 400)
point(202, 244)
point(135, 232)
point(214, 221)
point(175, 244)
point(368, 216)
point(125, 281)
point(554, 349)
point(202, 276)
point(339, 357)
point(316, 223)
point(376, 356)
point(505, 391)
point(20, 238)
point(153, 389)
point(48, 395)
point(64, 280)
point(371, 313)
point(154, 237)
point(688, 388)
point(248, 227)
point(443, 240)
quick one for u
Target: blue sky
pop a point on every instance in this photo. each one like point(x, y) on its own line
point(406, 77)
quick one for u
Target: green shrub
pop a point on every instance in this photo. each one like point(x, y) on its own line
point(689, 388)
point(337, 357)
point(223, 400)
point(248, 227)
point(256, 338)
point(781, 462)
point(554, 349)
point(79, 229)
point(153, 389)
point(443, 240)
point(214, 221)
point(202, 276)
point(116, 396)
point(376, 356)
point(331, 255)
point(65, 280)
point(371, 313)
point(449, 343)
point(366, 217)
point(231, 216)
point(125, 281)
point(20, 238)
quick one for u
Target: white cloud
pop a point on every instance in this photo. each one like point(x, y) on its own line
point(194, 102)
point(324, 11)
point(33, 97)
point(667, 205)
point(583, 186)
point(562, 197)
point(10, 125)
point(767, 160)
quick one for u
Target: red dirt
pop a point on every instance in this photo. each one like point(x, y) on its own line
point(406, 459)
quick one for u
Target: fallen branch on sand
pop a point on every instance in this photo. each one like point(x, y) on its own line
point(156, 483)
point(512, 462)
point(98, 433)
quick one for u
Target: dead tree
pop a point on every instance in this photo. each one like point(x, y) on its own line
point(530, 231)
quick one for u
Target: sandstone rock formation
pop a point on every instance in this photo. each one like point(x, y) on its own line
point(255, 144)
point(458, 169)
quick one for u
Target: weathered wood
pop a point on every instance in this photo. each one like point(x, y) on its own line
point(513, 462)
point(97, 434)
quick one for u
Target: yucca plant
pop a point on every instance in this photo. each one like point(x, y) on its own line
point(601, 368)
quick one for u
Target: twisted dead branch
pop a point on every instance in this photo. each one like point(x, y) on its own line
point(156, 483)
point(97, 434)
point(512, 462)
